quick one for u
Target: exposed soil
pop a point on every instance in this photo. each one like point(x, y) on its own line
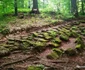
point(69, 44)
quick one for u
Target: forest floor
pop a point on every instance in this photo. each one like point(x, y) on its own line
point(20, 59)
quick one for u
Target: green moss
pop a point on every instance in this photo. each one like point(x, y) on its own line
point(41, 39)
point(79, 47)
point(58, 51)
point(53, 55)
point(25, 45)
point(46, 35)
point(4, 51)
point(40, 67)
point(64, 37)
point(74, 28)
point(52, 33)
point(39, 44)
point(67, 32)
point(74, 33)
point(52, 44)
point(57, 40)
point(35, 34)
point(80, 41)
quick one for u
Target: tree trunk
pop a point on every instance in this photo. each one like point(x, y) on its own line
point(15, 7)
point(82, 7)
point(35, 7)
point(74, 9)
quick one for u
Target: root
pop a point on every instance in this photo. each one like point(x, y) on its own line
point(15, 62)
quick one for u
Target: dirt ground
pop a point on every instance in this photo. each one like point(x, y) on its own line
point(20, 60)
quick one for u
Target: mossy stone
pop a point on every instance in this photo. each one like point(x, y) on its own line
point(52, 33)
point(64, 37)
point(74, 33)
point(80, 41)
point(53, 55)
point(4, 51)
point(35, 67)
point(52, 44)
point(41, 39)
point(79, 47)
point(57, 40)
point(46, 35)
point(35, 34)
point(71, 52)
point(58, 51)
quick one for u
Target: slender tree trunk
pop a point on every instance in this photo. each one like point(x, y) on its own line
point(29, 4)
point(35, 7)
point(82, 6)
point(74, 8)
point(15, 7)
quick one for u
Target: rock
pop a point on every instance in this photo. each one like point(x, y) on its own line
point(64, 37)
point(57, 40)
point(74, 33)
point(80, 41)
point(79, 47)
point(41, 39)
point(52, 55)
point(46, 35)
point(58, 51)
point(4, 51)
point(71, 52)
point(52, 33)
point(52, 44)
point(35, 34)
point(39, 67)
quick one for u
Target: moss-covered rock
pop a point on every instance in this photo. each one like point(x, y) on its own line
point(4, 51)
point(71, 52)
point(35, 34)
point(46, 35)
point(5, 31)
point(65, 31)
point(80, 41)
point(74, 28)
point(79, 47)
point(64, 37)
point(53, 33)
point(82, 21)
point(57, 40)
point(52, 44)
point(58, 51)
point(39, 44)
point(74, 33)
point(53, 55)
point(41, 39)
point(38, 67)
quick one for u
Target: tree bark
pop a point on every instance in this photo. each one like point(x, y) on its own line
point(82, 7)
point(35, 7)
point(74, 8)
point(15, 7)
